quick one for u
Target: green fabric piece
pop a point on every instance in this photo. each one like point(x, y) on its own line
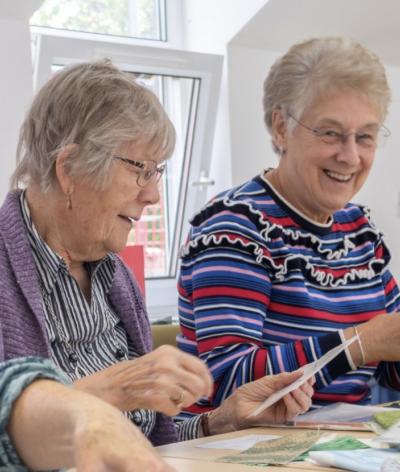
point(343, 443)
point(387, 419)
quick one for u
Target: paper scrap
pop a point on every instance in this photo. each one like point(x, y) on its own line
point(276, 451)
point(238, 444)
point(365, 460)
point(308, 371)
point(342, 412)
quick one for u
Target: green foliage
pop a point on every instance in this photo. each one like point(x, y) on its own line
point(114, 17)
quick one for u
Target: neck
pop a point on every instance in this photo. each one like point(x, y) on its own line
point(285, 189)
point(49, 215)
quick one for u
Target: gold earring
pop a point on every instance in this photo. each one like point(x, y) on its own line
point(69, 202)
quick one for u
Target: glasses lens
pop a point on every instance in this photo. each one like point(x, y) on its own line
point(149, 169)
point(383, 135)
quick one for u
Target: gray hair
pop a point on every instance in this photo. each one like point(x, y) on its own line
point(96, 106)
point(319, 66)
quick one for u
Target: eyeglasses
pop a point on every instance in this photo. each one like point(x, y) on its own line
point(145, 170)
point(365, 139)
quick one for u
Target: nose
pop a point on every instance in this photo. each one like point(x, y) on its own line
point(150, 193)
point(349, 151)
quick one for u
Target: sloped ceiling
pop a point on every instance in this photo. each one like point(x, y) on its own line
point(280, 23)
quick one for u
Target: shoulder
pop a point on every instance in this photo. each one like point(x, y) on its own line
point(238, 207)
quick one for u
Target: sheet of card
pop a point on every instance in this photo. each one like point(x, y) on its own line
point(308, 371)
point(238, 444)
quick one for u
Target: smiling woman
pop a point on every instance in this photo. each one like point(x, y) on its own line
point(280, 269)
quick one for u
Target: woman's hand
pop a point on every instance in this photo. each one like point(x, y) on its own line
point(234, 412)
point(108, 441)
point(165, 380)
point(53, 426)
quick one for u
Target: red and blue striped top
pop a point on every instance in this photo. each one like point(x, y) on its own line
point(262, 290)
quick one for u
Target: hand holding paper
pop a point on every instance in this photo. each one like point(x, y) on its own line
point(308, 371)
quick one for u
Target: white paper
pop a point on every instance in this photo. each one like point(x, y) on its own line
point(341, 412)
point(308, 371)
point(391, 435)
point(238, 444)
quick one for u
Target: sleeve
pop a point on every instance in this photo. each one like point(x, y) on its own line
point(164, 431)
point(388, 373)
point(15, 376)
point(224, 299)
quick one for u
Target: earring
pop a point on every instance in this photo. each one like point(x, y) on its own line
point(69, 202)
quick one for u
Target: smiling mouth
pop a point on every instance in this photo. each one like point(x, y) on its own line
point(129, 219)
point(338, 177)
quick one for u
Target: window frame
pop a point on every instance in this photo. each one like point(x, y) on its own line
point(161, 293)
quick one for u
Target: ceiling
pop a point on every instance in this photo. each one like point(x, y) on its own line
point(281, 23)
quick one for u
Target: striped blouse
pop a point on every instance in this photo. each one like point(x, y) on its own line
point(85, 338)
point(262, 290)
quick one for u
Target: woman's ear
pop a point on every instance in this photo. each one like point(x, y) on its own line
point(63, 161)
point(279, 130)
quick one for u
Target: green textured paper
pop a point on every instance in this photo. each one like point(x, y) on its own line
point(387, 419)
point(343, 443)
point(276, 451)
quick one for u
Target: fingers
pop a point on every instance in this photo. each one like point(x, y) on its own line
point(168, 380)
point(186, 371)
point(283, 379)
point(199, 369)
point(298, 401)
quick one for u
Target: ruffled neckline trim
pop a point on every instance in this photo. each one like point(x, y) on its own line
point(297, 216)
point(268, 231)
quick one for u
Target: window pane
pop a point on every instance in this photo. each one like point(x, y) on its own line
point(134, 18)
point(159, 224)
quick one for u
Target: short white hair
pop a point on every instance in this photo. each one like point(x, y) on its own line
point(310, 69)
point(96, 106)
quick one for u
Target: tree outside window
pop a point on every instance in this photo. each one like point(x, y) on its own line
point(133, 18)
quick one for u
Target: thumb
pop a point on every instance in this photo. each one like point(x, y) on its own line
point(285, 378)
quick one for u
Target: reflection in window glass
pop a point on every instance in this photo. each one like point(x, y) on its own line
point(143, 19)
point(160, 223)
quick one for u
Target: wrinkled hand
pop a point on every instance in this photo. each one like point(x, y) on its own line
point(234, 412)
point(111, 442)
point(165, 380)
point(380, 338)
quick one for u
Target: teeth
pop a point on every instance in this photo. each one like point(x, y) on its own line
point(337, 176)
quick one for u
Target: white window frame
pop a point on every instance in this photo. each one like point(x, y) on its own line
point(161, 294)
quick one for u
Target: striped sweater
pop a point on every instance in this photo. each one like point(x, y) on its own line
point(262, 290)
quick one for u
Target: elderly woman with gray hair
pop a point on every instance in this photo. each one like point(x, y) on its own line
point(91, 151)
point(282, 268)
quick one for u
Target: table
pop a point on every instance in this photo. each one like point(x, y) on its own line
point(186, 457)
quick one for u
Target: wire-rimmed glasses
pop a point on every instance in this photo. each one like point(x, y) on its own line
point(370, 138)
point(145, 170)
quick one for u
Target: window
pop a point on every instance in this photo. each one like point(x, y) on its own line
point(133, 18)
point(188, 86)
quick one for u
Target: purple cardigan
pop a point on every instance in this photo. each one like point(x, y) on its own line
point(22, 318)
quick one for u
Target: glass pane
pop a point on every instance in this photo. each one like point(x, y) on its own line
point(159, 224)
point(133, 18)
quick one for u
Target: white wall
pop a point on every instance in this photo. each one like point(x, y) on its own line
point(250, 142)
point(15, 79)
